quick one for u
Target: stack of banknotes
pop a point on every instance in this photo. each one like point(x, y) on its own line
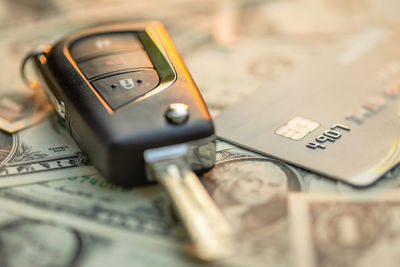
point(56, 210)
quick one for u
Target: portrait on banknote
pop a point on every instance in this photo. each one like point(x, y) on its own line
point(348, 231)
point(252, 191)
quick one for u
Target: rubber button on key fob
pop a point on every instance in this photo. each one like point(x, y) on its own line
point(116, 62)
point(121, 89)
point(104, 43)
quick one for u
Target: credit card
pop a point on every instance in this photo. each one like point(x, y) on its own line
point(337, 115)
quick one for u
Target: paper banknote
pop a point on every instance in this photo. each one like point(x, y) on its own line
point(251, 190)
point(92, 204)
point(18, 111)
point(40, 153)
point(137, 211)
point(27, 240)
point(328, 230)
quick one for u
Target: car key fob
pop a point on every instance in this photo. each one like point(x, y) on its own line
point(126, 98)
point(120, 89)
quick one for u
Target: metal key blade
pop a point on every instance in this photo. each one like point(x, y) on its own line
point(211, 234)
point(207, 205)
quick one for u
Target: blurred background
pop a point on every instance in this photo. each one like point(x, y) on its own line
point(231, 47)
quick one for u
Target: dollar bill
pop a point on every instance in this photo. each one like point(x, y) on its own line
point(40, 153)
point(28, 240)
point(331, 230)
point(258, 216)
point(141, 212)
point(19, 111)
point(251, 191)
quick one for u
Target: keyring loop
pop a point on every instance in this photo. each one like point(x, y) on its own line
point(34, 84)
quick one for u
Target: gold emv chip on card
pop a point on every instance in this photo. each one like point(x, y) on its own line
point(297, 128)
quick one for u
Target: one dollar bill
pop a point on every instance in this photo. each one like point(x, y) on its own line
point(40, 153)
point(347, 231)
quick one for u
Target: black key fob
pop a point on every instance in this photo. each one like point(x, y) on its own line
point(123, 89)
point(131, 105)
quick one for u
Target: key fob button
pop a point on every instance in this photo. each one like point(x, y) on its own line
point(118, 90)
point(113, 63)
point(104, 43)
